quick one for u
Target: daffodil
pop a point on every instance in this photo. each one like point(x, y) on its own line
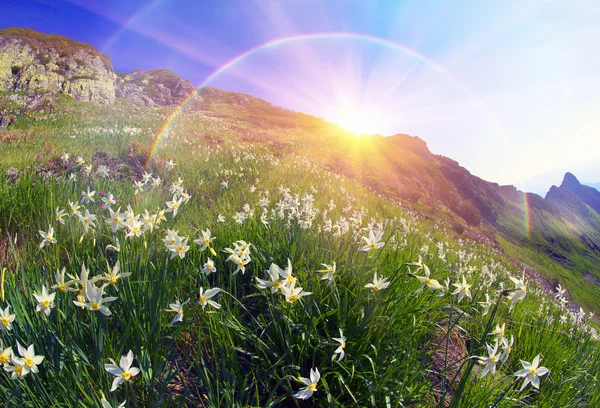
point(507, 347)
point(113, 274)
point(372, 241)
point(486, 305)
point(106, 404)
point(520, 290)
point(45, 301)
point(87, 196)
point(170, 164)
point(61, 285)
point(489, 362)
point(74, 209)
point(432, 284)
point(531, 372)
point(179, 248)
point(95, 302)
point(328, 271)
point(177, 307)
point(274, 282)
point(122, 372)
point(206, 296)
point(28, 360)
point(462, 289)
point(115, 220)
point(87, 220)
point(293, 294)
point(16, 368)
point(205, 241)
point(109, 200)
point(5, 355)
point(6, 319)
point(340, 350)
point(311, 384)
point(209, 267)
point(47, 237)
point(377, 284)
point(173, 206)
point(59, 215)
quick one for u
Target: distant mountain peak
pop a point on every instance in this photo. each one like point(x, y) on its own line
point(570, 181)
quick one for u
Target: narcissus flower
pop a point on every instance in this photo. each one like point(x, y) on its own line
point(122, 372)
point(47, 237)
point(311, 384)
point(28, 360)
point(45, 301)
point(378, 284)
point(340, 350)
point(209, 267)
point(6, 319)
point(486, 305)
point(373, 241)
point(206, 296)
point(329, 271)
point(95, 302)
point(87, 196)
point(274, 282)
point(177, 307)
point(462, 289)
point(106, 404)
point(489, 362)
point(531, 372)
point(520, 290)
point(61, 285)
point(293, 294)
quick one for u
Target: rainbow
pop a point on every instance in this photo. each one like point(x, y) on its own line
point(128, 21)
point(527, 214)
point(326, 35)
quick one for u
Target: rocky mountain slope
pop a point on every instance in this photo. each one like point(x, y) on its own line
point(558, 234)
point(33, 61)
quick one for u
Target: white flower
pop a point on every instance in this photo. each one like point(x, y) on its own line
point(79, 160)
point(106, 404)
point(378, 284)
point(5, 355)
point(205, 241)
point(139, 187)
point(486, 305)
point(206, 296)
point(274, 283)
point(340, 350)
point(426, 280)
point(59, 215)
point(65, 158)
point(103, 171)
point(87, 197)
point(311, 384)
point(29, 361)
point(95, 301)
point(47, 237)
point(174, 205)
point(177, 307)
point(170, 165)
point(122, 372)
point(520, 290)
point(373, 241)
point(74, 208)
point(61, 285)
point(45, 301)
point(221, 218)
point(115, 220)
point(209, 267)
point(87, 220)
point(507, 347)
point(113, 275)
point(6, 319)
point(329, 271)
point(489, 362)
point(531, 372)
point(179, 248)
point(293, 294)
point(462, 289)
point(108, 200)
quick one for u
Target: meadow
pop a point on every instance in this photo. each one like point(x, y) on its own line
point(226, 269)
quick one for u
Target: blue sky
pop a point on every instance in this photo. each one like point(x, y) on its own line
point(509, 89)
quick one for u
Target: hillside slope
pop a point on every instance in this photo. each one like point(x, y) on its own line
point(557, 235)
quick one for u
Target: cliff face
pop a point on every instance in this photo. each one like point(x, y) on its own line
point(33, 61)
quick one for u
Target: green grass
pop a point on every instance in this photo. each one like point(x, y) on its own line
point(403, 348)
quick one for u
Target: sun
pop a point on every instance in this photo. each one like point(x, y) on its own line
point(359, 121)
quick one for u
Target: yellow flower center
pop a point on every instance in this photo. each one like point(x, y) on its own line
point(116, 220)
point(277, 284)
point(46, 303)
point(372, 245)
point(344, 345)
point(240, 264)
point(126, 375)
point(428, 281)
point(376, 288)
point(181, 312)
point(180, 248)
point(28, 362)
point(293, 298)
point(19, 370)
point(62, 288)
point(3, 358)
point(135, 230)
point(4, 321)
point(532, 371)
point(290, 278)
point(312, 387)
point(203, 299)
point(86, 221)
point(175, 205)
point(113, 281)
point(49, 238)
point(524, 288)
point(207, 241)
point(95, 307)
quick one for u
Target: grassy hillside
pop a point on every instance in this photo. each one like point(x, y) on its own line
point(278, 182)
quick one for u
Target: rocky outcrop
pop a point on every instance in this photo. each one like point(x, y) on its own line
point(157, 87)
point(572, 193)
point(33, 61)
